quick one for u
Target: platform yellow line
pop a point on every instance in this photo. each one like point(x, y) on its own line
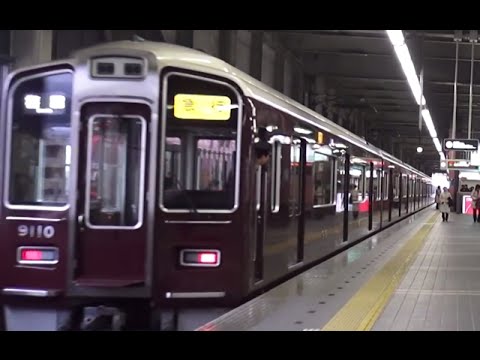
point(362, 311)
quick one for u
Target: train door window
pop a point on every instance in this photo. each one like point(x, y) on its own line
point(115, 167)
point(375, 181)
point(363, 184)
point(38, 165)
point(275, 173)
point(206, 112)
point(322, 171)
point(340, 180)
point(378, 186)
point(295, 172)
point(386, 183)
point(258, 187)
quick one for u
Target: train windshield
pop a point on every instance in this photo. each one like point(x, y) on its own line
point(40, 156)
point(201, 144)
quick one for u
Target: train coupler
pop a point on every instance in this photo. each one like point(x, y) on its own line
point(97, 318)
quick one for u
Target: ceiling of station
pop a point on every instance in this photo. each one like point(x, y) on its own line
point(361, 70)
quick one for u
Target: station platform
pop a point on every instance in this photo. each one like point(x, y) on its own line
point(419, 274)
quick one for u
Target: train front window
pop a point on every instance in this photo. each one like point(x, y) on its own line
point(116, 148)
point(200, 144)
point(40, 151)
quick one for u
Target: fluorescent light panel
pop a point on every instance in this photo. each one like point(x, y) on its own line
point(403, 54)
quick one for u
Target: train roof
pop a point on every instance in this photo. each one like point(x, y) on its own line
point(180, 56)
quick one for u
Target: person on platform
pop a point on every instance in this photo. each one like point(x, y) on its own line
point(475, 202)
point(445, 204)
point(438, 192)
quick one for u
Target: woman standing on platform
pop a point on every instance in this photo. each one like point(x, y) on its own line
point(476, 202)
point(445, 203)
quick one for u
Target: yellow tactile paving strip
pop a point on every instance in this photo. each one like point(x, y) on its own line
point(364, 308)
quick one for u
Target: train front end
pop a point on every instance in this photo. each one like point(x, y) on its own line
point(116, 196)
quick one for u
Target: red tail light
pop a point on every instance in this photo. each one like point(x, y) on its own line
point(31, 255)
point(200, 257)
point(207, 258)
point(37, 255)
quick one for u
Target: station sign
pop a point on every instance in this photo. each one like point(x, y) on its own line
point(460, 144)
point(461, 164)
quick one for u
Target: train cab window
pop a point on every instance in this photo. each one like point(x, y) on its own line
point(173, 162)
point(40, 152)
point(201, 152)
point(214, 164)
point(115, 175)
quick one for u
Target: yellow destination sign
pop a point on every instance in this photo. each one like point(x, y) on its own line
point(201, 107)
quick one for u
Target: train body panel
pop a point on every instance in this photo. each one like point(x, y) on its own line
point(132, 173)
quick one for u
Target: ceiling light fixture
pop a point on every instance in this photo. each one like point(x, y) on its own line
point(403, 55)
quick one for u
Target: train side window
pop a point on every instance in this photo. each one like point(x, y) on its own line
point(38, 166)
point(386, 182)
point(322, 179)
point(276, 166)
point(357, 179)
point(396, 186)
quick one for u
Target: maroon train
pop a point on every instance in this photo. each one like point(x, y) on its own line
point(131, 188)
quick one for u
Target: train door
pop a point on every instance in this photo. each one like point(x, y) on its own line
point(298, 155)
point(260, 209)
point(111, 234)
